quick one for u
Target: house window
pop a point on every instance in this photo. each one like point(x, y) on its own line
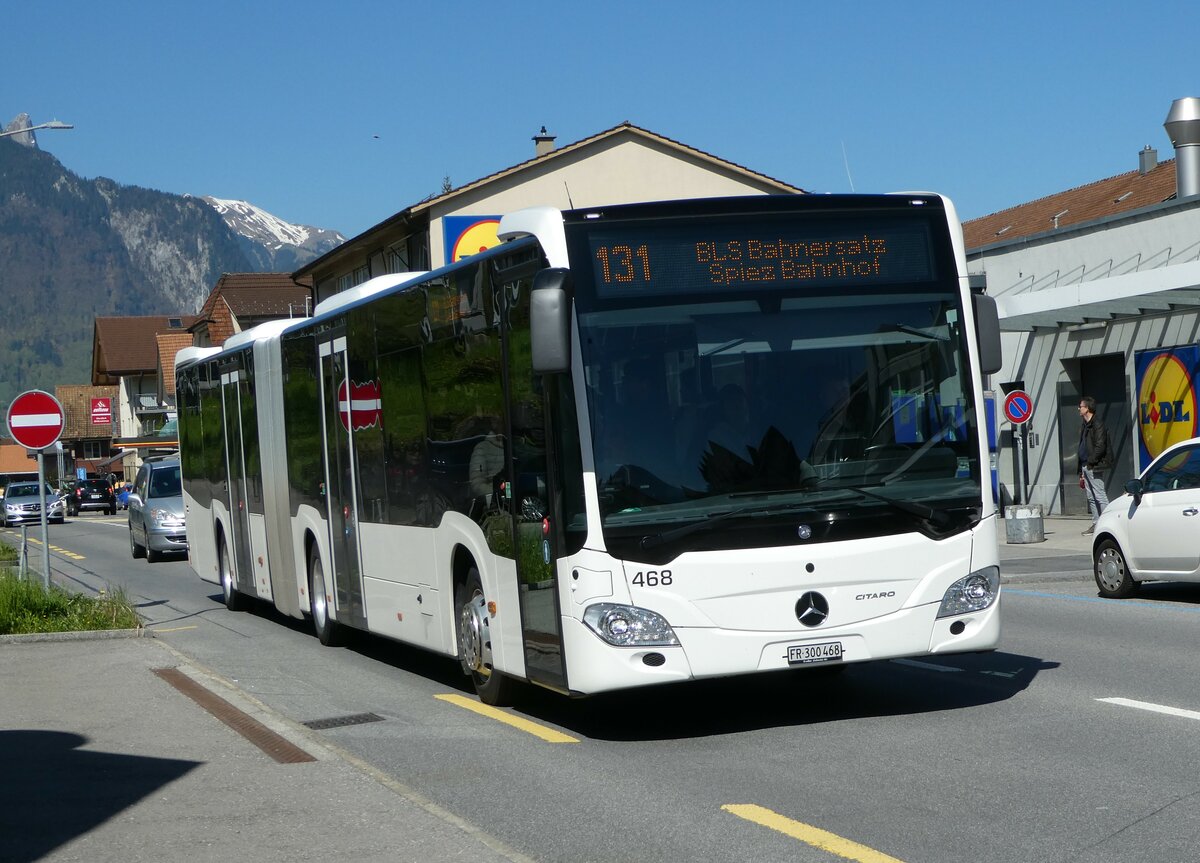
point(95, 448)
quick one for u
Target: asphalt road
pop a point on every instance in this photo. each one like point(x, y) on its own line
point(1078, 740)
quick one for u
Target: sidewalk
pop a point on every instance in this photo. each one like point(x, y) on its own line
point(104, 760)
point(1064, 537)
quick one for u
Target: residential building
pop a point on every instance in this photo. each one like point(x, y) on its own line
point(240, 301)
point(620, 165)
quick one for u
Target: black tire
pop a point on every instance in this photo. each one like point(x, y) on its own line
point(112, 510)
point(475, 644)
point(137, 551)
point(329, 632)
point(153, 556)
point(234, 601)
point(1111, 571)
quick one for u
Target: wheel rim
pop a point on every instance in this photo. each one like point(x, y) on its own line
point(226, 573)
point(475, 639)
point(1110, 569)
point(320, 611)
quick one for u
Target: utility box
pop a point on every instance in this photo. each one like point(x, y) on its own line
point(1024, 523)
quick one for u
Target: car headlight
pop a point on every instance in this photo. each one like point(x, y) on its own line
point(163, 516)
point(975, 592)
point(628, 625)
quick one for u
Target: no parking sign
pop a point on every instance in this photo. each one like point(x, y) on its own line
point(1018, 407)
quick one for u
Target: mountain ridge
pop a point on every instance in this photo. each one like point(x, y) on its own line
point(75, 249)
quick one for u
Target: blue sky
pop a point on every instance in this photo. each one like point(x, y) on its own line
point(340, 114)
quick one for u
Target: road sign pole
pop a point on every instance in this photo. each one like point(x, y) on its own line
point(45, 530)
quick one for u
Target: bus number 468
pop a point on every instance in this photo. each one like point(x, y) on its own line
point(652, 578)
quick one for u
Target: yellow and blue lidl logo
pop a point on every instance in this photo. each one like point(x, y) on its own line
point(1166, 399)
point(469, 235)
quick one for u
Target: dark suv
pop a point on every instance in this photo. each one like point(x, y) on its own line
point(92, 494)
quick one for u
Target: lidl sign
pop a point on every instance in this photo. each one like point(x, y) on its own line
point(1166, 387)
point(469, 235)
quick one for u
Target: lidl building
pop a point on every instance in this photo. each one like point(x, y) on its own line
point(1098, 290)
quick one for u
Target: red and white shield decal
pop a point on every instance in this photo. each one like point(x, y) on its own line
point(362, 409)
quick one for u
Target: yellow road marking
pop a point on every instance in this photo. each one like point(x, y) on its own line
point(177, 628)
point(64, 552)
point(808, 834)
point(547, 734)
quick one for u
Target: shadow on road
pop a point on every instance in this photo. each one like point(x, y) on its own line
point(54, 791)
point(791, 698)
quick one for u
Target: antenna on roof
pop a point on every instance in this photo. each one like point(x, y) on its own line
point(846, 162)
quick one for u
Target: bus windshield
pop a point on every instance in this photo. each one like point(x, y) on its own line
point(724, 405)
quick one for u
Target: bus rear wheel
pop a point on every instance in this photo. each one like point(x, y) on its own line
point(234, 601)
point(328, 631)
point(475, 643)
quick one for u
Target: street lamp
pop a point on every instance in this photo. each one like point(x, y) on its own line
point(53, 124)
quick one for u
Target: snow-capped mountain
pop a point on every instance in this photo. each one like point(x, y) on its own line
point(278, 245)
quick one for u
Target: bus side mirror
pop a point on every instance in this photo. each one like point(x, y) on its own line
point(987, 329)
point(550, 321)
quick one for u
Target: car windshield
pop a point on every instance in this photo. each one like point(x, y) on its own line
point(15, 491)
point(164, 482)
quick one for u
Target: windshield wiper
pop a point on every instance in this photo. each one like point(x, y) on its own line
point(936, 517)
point(934, 336)
point(649, 542)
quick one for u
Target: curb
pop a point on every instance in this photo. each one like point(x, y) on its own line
point(89, 635)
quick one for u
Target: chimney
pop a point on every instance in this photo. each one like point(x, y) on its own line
point(542, 143)
point(1147, 160)
point(1183, 128)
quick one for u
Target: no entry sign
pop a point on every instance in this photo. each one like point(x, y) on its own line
point(35, 419)
point(1018, 407)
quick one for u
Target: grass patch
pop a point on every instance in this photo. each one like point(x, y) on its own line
point(27, 607)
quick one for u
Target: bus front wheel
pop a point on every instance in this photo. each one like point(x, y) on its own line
point(475, 643)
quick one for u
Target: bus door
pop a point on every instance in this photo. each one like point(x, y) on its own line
point(341, 471)
point(233, 401)
point(531, 495)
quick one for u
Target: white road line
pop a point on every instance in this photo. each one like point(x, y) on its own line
point(1153, 708)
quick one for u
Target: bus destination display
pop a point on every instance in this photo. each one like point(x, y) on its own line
point(760, 255)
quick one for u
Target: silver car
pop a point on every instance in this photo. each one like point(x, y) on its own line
point(156, 519)
point(22, 504)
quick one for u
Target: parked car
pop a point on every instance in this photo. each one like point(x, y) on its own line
point(123, 495)
point(92, 494)
point(1150, 532)
point(22, 504)
point(156, 516)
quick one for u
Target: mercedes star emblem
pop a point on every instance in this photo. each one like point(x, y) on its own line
point(812, 609)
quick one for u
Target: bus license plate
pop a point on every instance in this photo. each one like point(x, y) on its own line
point(826, 651)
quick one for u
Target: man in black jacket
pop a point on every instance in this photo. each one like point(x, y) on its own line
point(1095, 457)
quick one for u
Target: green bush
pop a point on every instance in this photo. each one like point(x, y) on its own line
point(26, 607)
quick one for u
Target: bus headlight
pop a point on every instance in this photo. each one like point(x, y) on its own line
point(628, 625)
point(974, 593)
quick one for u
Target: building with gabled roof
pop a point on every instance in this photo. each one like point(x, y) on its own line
point(240, 301)
point(624, 164)
point(1098, 291)
point(125, 354)
point(89, 419)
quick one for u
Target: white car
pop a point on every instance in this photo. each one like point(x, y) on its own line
point(1152, 532)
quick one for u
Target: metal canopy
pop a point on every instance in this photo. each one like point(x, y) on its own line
point(1165, 289)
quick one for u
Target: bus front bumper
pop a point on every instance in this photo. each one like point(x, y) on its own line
point(703, 652)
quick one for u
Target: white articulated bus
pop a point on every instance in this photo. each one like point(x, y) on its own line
point(631, 445)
